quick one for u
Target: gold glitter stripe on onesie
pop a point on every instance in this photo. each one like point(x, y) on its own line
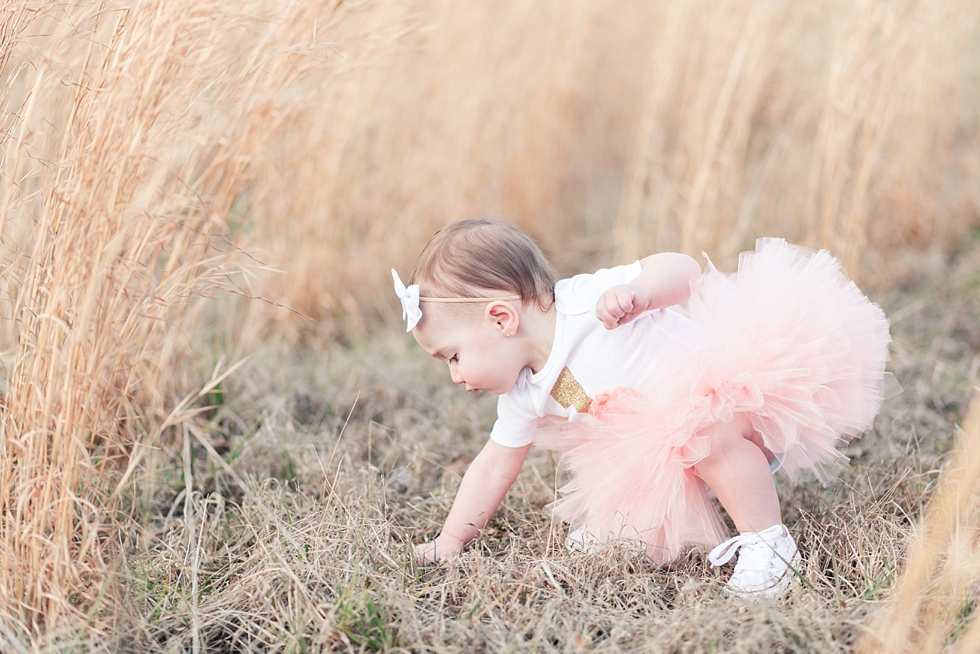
point(568, 392)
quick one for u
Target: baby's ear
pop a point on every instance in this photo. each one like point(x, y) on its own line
point(504, 317)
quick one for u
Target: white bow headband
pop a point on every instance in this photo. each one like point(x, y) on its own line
point(412, 312)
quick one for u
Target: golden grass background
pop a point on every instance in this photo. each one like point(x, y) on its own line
point(165, 163)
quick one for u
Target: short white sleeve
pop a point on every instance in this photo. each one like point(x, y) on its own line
point(516, 422)
point(581, 293)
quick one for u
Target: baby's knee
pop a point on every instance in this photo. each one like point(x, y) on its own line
point(738, 428)
point(733, 434)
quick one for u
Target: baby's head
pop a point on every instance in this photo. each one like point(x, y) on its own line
point(483, 257)
point(498, 284)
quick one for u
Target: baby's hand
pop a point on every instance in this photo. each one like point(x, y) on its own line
point(438, 550)
point(621, 304)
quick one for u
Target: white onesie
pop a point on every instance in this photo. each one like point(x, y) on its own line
point(587, 358)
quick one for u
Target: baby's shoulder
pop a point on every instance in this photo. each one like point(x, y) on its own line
point(579, 294)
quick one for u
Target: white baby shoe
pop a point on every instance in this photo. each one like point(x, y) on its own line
point(580, 540)
point(764, 562)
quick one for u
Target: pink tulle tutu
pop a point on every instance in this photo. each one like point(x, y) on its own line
point(791, 344)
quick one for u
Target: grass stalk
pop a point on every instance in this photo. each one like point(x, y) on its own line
point(941, 571)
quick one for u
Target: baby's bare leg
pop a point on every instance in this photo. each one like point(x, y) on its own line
point(737, 470)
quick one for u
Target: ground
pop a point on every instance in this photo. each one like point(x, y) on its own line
point(320, 467)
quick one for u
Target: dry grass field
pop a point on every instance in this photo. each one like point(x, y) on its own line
point(217, 437)
point(322, 465)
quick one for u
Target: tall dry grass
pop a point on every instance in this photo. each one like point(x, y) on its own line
point(935, 604)
point(820, 123)
point(129, 131)
point(473, 110)
point(609, 130)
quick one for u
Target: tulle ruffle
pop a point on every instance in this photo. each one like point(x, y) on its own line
point(792, 345)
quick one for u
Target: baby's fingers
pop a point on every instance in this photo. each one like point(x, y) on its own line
point(614, 305)
point(426, 554)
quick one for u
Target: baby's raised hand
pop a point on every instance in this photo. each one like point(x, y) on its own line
point(621, 304)
point(436, 551)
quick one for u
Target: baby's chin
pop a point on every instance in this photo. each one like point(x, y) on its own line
point(491, 391)
point(504, 392)
point(495, 391)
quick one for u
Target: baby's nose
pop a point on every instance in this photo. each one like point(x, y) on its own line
point(455, 375)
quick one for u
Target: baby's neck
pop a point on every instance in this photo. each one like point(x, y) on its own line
point(538, 334)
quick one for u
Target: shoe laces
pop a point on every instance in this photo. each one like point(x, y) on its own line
point(755, 544)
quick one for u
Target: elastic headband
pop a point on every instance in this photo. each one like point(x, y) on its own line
point(412, 312)
point(468, 299)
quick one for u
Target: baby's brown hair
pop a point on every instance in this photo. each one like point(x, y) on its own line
point(470, 257)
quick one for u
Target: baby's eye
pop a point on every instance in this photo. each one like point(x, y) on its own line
point(454, 359)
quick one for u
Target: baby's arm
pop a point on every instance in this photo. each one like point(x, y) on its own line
point(665, 280)
point(484, 486)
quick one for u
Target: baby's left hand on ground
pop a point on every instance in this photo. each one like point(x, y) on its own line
point(436, 551)
point(621, 304)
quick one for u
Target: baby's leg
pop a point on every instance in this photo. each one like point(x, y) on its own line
point(737, 470)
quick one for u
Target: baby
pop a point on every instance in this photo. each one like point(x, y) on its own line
point(774, 367)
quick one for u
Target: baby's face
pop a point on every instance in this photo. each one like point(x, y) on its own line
point(479, 356)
